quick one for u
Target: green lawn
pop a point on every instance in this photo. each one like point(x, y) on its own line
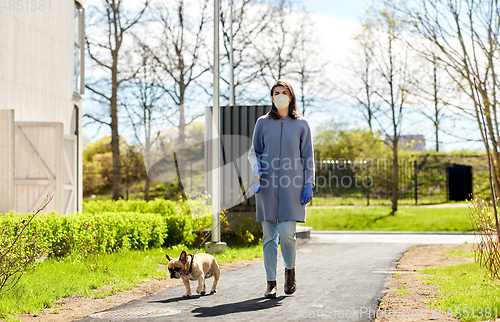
point(54, 279)
point(362, 201)
point(380, 219)
point(466, 291)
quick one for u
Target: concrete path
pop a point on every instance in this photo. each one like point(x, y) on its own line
point(339, 275)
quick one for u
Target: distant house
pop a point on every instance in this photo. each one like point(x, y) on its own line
point(410, 142)
point(41, 83)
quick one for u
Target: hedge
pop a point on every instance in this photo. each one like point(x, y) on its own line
point(179, 222)
point(157, 206)
point(107, 226)
point(106, 231)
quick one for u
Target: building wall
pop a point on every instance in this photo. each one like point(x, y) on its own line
point(37, 67)
point(36, 64)
point(412, 143)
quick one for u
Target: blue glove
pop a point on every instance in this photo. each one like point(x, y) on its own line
point(257, 173)
point(307, 194)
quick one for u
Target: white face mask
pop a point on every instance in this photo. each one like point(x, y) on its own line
point(281, 101)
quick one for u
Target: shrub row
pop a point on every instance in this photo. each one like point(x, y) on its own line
point(184, 217)
point(104, 232)
point(157, 206)
point(176, 217)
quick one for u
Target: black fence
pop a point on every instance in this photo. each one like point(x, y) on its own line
point(370, 182)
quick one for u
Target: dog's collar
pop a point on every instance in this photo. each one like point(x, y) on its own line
point(187, 275)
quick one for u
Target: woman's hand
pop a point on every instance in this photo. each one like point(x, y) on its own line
point(307, 194)
point(257, 172)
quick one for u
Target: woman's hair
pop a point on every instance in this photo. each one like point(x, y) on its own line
point(292, 107)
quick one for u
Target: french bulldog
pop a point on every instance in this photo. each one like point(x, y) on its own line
point(204, 266)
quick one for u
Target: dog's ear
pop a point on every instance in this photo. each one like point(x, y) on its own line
point(183, 256)
point(168, 257)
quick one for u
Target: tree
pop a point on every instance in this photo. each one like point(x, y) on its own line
point(362, 76)
point(433, 87)
point(98, 161)
point(178, 51)
point(310, 73)
point(466, 34)
point(274, 54)
point(392, 70)
point(109, 25)
point(250, 22)
point(146, 108)
point(336, 141)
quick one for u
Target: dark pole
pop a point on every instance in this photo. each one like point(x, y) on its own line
point(416, 182)
point(367, 188)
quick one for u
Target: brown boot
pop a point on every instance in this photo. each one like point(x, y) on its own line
point(290, 285)
point(271, 290)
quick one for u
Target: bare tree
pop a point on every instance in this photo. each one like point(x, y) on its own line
point(392, 68)
point(310, 73)
point(466, 34)
point(109, 25)
point(433, 87)
point(274, 53)
point(178, 52)
point(361, 75)
point(250, 22)
point(146, 108)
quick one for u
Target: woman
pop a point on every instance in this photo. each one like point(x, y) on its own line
point(282, 156)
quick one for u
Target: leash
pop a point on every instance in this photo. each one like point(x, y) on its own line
point(210, 233)
point(184, 195)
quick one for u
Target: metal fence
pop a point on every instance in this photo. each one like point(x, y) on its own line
point(370, 182)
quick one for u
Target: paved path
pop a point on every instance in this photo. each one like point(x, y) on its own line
point(338, 274)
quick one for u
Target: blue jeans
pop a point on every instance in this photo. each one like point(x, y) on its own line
point(286, 232)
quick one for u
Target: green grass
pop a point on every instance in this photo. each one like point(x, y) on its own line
point(54, 279)
point(380, 219)
point(402, 290)
point(459, 253)
point(362, 201)
point(466, 290)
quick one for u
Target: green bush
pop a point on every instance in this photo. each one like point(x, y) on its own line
point(109, 231)
point(157, 206)
point(175, 215)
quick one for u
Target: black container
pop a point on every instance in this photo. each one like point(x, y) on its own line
point(459, 182)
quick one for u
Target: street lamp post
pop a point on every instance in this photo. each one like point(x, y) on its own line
point(216, 245)
point(231, 59)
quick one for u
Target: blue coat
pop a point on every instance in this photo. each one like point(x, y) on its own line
point(284, 149)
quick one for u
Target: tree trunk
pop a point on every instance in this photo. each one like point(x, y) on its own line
point(146, 154)
point(182, 142)
point(395, 174)
point(115, 138)
point(436, 109)
point(437, 136)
